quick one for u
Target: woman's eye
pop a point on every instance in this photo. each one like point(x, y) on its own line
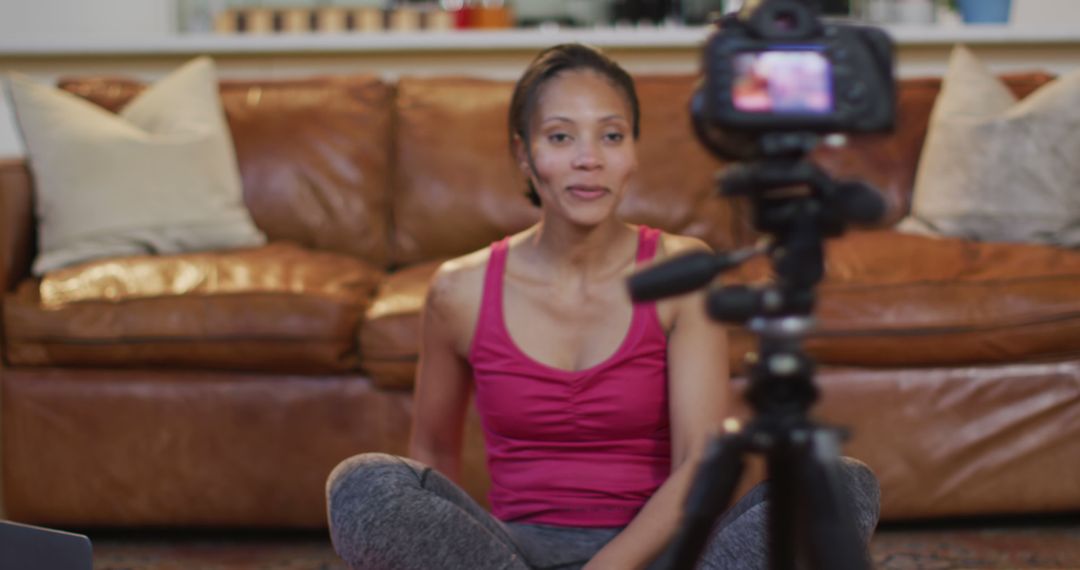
point(615, 137)
point(558, 137)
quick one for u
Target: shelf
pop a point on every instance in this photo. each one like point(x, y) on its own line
point(659, 38)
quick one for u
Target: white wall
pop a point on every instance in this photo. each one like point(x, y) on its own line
point(85, 19)
point(10, 141)
point(1045, 12)
point(71, 20)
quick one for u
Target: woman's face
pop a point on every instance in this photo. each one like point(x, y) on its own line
point(582, 147)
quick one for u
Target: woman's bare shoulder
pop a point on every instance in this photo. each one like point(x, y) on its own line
point(461, 274)
point(674, 244)
point(455, 295)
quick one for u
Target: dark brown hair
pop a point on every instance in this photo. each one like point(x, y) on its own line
point(548, 65)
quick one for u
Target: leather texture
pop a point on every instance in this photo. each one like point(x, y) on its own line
point(17, 234)
point(960, 441)
point(390, 331)
point(277, 268)
point(99, 447)
point(451, 148)
point(218, 390)
point(897, 300)
point(275, 308)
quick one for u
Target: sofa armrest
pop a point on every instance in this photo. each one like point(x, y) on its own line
point(16, 222)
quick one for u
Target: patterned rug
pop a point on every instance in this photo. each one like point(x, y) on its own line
point(1036, 544)
point(1031, 544)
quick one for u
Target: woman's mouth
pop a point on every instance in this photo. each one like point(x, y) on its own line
point(582, 192)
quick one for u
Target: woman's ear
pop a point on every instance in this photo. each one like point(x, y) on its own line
point(521, 155)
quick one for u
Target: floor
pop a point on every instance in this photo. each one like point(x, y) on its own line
point(956, 545)
point(1001, 544)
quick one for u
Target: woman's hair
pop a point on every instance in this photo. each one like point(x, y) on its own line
point(548, 65)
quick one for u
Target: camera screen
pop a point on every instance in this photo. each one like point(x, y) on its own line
point(795, 81)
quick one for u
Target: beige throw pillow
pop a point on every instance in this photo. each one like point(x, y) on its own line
point(994, 169)
point(159, 177)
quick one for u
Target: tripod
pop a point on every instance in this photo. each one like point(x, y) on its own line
point(809, 515)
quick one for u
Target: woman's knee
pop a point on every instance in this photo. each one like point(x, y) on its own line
point(361, 484)
point(359, 492)
point(865, 492)
point(371, 475)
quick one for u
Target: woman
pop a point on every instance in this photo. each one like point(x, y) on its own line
point(595, 410)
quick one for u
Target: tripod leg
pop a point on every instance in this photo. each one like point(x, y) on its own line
point(783, 498)
point(710, 493)
point(827, 518)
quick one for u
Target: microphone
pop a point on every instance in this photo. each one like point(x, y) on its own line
point(734, 304)
point(682, 274)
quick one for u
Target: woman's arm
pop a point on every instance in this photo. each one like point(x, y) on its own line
point(698, 391)
point(443, 382)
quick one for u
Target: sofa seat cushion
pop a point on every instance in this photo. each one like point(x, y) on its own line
point(277, 308)
point(891, 299)
point(390, 334)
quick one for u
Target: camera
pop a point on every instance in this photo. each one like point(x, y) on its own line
point(775, 67)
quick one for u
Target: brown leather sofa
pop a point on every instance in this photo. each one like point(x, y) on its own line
point(219, 389)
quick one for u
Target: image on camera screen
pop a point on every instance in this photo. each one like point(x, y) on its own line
point(783, 81)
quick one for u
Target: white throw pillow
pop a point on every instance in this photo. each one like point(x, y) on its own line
point(159, 177)
point(994, 169)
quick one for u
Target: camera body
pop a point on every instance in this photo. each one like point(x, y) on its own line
point(776, 67)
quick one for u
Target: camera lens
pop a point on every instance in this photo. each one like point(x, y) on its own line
point(785, 20)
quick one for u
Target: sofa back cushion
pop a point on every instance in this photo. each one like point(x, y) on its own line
point(158, 177)
point(457, 188)
point(313, 155)
point(341, 163)
point(889, 160)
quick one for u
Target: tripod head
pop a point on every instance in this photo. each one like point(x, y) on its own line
point(797, 205)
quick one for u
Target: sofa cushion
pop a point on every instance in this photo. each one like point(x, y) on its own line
point(896, 300)
point(159, 177)
point(314, 155)
point(390, 333)
point(675, 189)
point(458, 189)
point(278, 308)
point(997, 170)
point(889, 160)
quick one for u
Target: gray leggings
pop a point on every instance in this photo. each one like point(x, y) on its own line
point(392, 513)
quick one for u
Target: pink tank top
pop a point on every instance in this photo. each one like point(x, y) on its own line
point(580, 448)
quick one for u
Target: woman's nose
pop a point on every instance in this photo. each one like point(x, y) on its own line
point(587, 156)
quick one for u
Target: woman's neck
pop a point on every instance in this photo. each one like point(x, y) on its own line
point(566, 250)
